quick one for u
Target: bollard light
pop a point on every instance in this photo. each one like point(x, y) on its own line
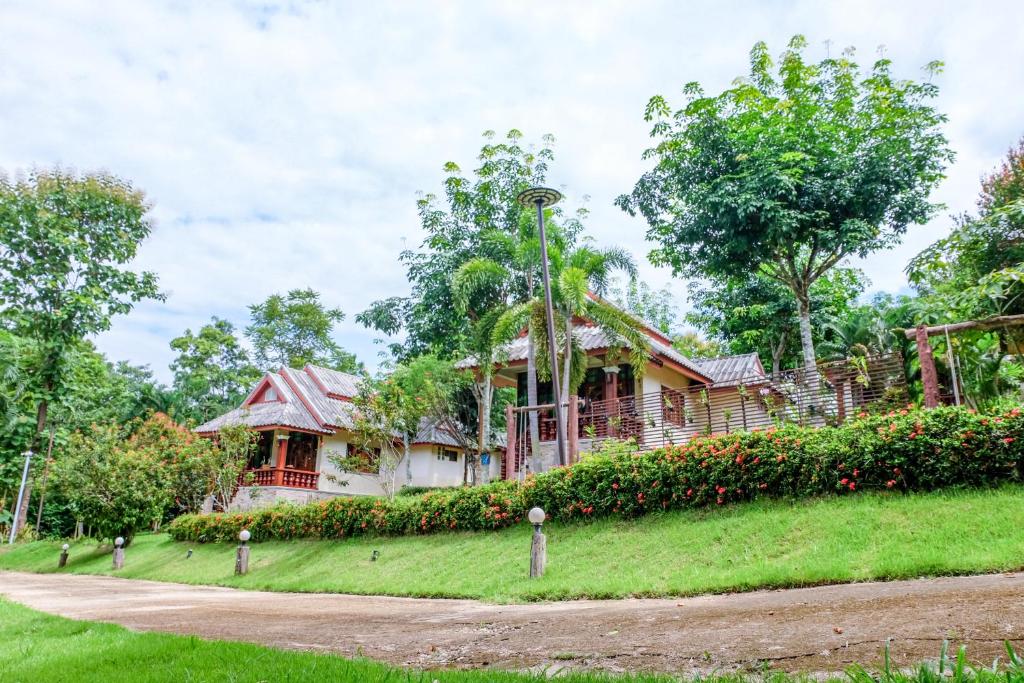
point(63, 561)
point(242, 553)
point(65, 547)
point(538, 546)
point(119, 552)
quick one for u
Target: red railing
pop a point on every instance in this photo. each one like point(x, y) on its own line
point(291, 478)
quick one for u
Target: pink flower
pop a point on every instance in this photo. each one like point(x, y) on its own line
point(1008, 440)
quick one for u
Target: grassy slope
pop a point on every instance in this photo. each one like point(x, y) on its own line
point(765, 544)
point(39, 648)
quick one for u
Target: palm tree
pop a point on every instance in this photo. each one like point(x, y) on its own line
point(580, 278)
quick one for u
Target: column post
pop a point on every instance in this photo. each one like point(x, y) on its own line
point(929, 377)
point(282, 458)
point(510, 442)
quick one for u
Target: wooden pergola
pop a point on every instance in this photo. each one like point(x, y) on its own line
point(929, 376)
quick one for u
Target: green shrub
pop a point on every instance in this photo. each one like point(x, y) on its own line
point(903, 450)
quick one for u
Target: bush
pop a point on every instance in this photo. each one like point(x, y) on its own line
point(906, 450)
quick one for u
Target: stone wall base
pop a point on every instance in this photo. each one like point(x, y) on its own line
point(256, 497)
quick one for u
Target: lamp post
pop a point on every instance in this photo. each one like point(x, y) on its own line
point(542, 197)
point(242, 554)
point(119, 552)
point(63, 561)
point(21, 498)
point(539, 545)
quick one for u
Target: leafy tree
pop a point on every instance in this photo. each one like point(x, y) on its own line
point(656, 307)
point(212, 372)
point(693, 345)
point(295, 329)
point(1004, 185)
point(786, 174)
point(389, 410)
point(481, 253)
point(65, 243)
point(117, 487)
point(758, 314)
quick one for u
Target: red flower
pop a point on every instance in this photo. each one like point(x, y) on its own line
point(889, 484)
point(615, 485)
point(720, 489)
point(1008, 440)
point(853, 486)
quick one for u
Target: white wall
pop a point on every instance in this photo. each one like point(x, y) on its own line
point(355, 484)
point(427, 470)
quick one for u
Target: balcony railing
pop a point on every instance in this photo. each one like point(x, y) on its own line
point(288, 477)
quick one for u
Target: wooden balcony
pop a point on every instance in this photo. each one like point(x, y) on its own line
point(288, 477)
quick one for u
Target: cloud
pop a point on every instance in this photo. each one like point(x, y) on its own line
point(283, 146)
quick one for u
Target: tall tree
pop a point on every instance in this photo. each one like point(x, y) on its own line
point(479, 235)
point(66, 241)
point(295, 329)
point(790, 171)
point(212, 372)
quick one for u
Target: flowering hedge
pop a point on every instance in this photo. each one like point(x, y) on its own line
point(909, 450)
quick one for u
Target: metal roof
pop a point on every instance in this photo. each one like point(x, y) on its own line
point(732, 370)
point(302, 402)
point(591, 338)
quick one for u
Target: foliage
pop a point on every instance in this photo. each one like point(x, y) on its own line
point(295, 329)
point(694, 345)
point(65, 243)
point(787, 174)
point(476, 218)
point(117, 487)
point(904, 450)
point(212, 372)
point(1005, 185)
point(757, 314)
point(977, 272)
point(390, 410)
point(656, 307)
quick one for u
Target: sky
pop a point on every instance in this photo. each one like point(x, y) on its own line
point(283, 145)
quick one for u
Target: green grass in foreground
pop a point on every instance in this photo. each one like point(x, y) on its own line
point(40, 648)
point(742, 547)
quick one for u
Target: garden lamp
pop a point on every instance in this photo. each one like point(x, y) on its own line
point(539, 544)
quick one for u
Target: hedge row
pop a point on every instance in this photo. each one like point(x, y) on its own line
point(912, 450)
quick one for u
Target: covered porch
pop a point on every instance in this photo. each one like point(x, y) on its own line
point(284, 457)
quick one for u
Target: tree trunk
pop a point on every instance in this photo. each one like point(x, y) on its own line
point(566, 372)
point(484, 419)
point(531, 399)
point(408, 459)
point(777, 352)
point(807, 346)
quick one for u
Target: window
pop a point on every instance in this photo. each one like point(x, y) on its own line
point(363, 461)
point(270, 394)
point(673, 407)
point(447, 454)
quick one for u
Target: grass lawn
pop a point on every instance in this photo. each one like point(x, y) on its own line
point(742, 547)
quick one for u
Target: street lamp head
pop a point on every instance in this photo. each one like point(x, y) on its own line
point(29, 453)
point(542, 196)
point(536, 516)
point(65, 547)
point(244, 535)
point(119, 541)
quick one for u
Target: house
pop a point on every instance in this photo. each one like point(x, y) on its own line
point(305, 416)
point(672, 399)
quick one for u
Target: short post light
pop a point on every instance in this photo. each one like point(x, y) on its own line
point(63, 561)
point(119, 552)
point(538, 548)
point(242, 554)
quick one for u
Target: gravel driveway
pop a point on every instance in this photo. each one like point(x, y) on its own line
point(808, 629)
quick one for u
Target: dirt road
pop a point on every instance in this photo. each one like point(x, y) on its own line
point(811, 629)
